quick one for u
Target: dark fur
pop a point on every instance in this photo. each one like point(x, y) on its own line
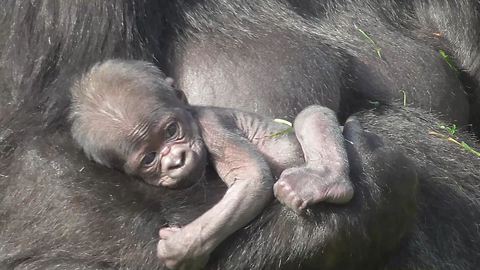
point(59, 211)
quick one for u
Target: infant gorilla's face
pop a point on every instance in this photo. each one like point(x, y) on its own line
point(171, 153)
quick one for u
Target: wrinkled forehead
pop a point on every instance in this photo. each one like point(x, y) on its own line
point(136, 87)
point(145, 110)
point(135, 102)
point(138, 122)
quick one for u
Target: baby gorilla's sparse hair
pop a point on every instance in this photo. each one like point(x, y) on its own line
point(105, 106)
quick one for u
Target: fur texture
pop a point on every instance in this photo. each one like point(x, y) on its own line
point(416, 203)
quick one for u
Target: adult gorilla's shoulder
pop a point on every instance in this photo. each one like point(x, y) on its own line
point(416, 204)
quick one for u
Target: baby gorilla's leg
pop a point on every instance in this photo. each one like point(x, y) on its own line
point(324, 177)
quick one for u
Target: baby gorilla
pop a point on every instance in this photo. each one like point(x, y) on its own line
point(126, 115)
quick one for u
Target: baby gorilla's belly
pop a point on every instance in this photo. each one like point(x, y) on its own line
point(280, 148)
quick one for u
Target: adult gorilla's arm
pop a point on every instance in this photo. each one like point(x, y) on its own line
point(358, 235)
point(402, 216)
point(75, 213)
point(446, 234)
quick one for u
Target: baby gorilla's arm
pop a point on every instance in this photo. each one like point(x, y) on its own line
point(250, 184)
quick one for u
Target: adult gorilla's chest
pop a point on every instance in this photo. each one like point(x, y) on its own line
point(273, 75)
point(277, 70)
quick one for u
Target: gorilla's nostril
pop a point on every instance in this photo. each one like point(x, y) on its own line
point(183, 156)
point(179, 161)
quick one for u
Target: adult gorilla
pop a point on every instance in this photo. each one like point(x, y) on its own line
point(60, 211)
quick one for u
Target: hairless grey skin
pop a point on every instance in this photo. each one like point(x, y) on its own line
point(127, 115)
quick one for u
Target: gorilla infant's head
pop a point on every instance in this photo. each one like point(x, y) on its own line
point(126, 115)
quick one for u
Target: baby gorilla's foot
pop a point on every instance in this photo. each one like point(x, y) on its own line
point(299, 187)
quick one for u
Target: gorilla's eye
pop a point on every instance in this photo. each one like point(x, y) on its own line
point(171, 131)
point(149, 158)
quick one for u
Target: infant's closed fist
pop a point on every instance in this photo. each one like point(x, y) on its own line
point(180, 250)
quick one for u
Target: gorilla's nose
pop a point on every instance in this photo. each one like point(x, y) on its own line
point(174, 160)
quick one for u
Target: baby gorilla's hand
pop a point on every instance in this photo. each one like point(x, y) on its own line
point(180, 249)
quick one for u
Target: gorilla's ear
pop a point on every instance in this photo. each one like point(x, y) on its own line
point(181, 96)
point(179, 93)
